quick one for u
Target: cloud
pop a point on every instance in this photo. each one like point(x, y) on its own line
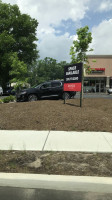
point(105, 5)
point(50, 14)
point(10, 1)
point(57, 47)
point(102, 38)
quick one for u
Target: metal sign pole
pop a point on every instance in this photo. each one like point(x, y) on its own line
point(64, 97)
point(81, 97)
point(81, 88)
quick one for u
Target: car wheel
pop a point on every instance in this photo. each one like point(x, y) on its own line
point(66, 95)
point(32, 97)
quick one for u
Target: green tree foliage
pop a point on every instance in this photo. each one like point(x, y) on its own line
point(6, 43)
point(47, 69)
point(17, 34)
point(81, 46)
point(18, 72)
point(18, 69)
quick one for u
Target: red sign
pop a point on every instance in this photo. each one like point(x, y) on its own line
point(72, 87)
point(98, 69)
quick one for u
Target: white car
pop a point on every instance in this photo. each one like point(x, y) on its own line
point(1, 91)
point(109, 91)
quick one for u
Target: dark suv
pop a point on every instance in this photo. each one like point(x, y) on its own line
point(45, 90)
point(9, 91)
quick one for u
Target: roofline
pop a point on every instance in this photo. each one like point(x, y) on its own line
point(99, 56)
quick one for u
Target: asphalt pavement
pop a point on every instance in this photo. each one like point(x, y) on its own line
point(87, 95)
point(42, 194)
point(54, 187)
point(94, 95)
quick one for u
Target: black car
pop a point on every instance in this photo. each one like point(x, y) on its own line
point(45, 90)
point(9, 91)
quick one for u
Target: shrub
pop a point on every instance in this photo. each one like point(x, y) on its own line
point(1, 101)
point(9, 99)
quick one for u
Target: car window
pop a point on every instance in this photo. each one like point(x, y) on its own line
point(46, 85)
point(56, 84)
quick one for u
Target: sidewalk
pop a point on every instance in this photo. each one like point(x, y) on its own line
point(43, 186)
point(56, 141)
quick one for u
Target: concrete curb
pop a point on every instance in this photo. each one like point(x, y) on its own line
point(57, 182)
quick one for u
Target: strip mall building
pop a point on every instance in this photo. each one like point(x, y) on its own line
point(100, 78)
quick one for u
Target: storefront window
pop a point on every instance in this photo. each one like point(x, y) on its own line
point(95, 85)
point(86, 83)
point(111, 82)
point(92, 82)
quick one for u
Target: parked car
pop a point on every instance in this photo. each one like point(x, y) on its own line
point(1, 91)
point(9, 91)
point(109, 91)
point(45, 90)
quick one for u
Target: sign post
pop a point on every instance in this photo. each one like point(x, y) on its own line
point(73, 79)
point(64, 97)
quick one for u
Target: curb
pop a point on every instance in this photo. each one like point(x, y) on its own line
point(57, 182)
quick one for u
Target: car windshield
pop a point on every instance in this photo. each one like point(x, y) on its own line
point(38, 86)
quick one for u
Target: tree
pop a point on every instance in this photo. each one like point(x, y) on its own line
point(18, 72)
point(46, 69)
point(80, 47)
point(6, 43)
point(17, 34)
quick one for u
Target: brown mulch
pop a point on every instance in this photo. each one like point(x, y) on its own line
point(95, 115)
point(63, 163)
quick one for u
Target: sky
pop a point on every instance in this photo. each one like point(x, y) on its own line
point(59, 20)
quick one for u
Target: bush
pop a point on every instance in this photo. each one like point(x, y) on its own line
point(1, 101)
point(9, 99)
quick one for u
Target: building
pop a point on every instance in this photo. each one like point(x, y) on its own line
point(100, 77)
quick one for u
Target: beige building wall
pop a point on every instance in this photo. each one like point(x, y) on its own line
point(100, 61)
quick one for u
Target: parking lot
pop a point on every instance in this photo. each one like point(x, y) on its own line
point(95, 114)
point(87, 95)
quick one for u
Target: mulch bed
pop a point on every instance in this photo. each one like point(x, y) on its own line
point(95, 115)
point(59, 163)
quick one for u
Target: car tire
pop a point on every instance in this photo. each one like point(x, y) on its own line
point(32, 97)
point(66, 95)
